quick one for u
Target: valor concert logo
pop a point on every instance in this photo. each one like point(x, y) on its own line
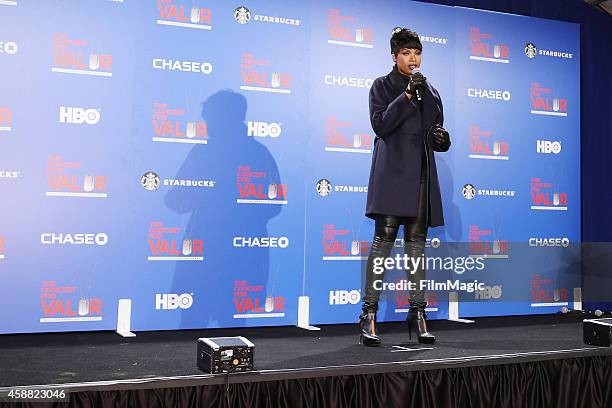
point(69, 179)
point(544, 196)
point(183, 14)
point(171, 126)
point(340, 137)
point(484, 48)
point(252, 302)
point(259, 187)
point(484, 145)
point(480, 246)
point(543, 101)
point(68, 304)
point(402, 301)
point(72, 56)
point(164, 245)
point(5, 120)
point(343, 245)
point(256, 76)
point(543, 293)
point(344, 31)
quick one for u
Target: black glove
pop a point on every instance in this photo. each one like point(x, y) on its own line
point(415, 80)
point(441, 138)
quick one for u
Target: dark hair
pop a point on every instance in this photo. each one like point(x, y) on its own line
point(404, 38)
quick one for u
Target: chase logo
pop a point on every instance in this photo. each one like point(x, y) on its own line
point(260, 242)
point(500, 95)
point(349, 82)
point(549, 242)
point(165, 64)
point(50, 238)
point(8, 47)
point(79, 115)
point(183, 14)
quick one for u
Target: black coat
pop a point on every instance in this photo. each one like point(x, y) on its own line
point(400, 125)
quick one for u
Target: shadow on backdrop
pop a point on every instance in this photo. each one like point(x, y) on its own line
point(231, 280)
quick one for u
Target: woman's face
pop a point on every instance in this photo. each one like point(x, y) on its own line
point(407, 59)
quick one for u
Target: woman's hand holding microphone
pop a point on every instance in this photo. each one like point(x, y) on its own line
point(416, 80)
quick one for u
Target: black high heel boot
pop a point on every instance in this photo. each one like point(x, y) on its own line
point(367, 324)
point(418, 317)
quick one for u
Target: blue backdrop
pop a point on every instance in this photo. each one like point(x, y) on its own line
point(210, 161)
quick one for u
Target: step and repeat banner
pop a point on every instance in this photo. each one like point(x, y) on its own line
point(209, 161)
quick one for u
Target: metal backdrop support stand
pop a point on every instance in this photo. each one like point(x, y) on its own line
point(304, 314)
point(124, 316)
point(453, 309)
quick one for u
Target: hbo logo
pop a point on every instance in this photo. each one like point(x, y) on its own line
point(344, 297)
point(171, 301)
point(79, 115)
point(546, 146)
point(489, 292)
point(263, 129)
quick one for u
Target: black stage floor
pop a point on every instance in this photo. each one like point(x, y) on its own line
point(103, 360)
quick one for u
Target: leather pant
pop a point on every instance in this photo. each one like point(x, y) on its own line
point(415, 233)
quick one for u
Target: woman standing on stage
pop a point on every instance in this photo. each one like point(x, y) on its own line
point(407, 116)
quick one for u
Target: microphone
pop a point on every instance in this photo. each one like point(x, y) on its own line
point(417, 90)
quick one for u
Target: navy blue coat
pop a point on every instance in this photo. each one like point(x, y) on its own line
point(400, 126)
